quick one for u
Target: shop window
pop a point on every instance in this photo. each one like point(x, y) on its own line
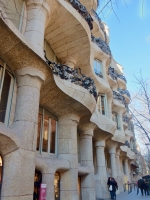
point(14, 9)
point(57, 186)
point(37, 183)
point(47, 132)
point(115, 118)
point(102, 104)
point(6, 92)
point(1, 172)
point(98, 68)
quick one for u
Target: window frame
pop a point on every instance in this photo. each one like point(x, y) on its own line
point(116, 119)
point(105, 104)
point(101, 75)
point(3, 68)
point(51, 116)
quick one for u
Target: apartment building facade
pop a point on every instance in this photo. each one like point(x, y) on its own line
point(64, 118)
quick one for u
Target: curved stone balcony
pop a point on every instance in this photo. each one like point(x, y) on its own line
point(119, 136)
point(118, 102)
point(83, 11)
point(115, 78)
point(129, 133)
point(105, 126)
point(98, 27)
point(130, 154)
point(126, 94)
point(90, 4)
point(102, 45)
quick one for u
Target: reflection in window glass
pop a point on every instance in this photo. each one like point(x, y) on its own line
point(53, 134)
point(1, 168)
point(116, 119)
point(46, 136)
point(57, 186)
point(103, 105)
point(39, 130)
point(98, 68)
point(37, 182)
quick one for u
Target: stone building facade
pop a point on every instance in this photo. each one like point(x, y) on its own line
point(64, 118)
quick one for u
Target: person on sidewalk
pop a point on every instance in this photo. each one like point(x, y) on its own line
point(145, 187)
point(112, 187)
point(141, 185)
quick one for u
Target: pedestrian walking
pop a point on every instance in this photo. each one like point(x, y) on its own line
point(112, 187)
point(141, 185)
point(145, 187)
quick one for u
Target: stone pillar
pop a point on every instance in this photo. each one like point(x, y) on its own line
point(112, 152)
point(127, 168)
point(86, 153)
point(37, 14)
point(19, 165)
point(67, 149)
point(101, 176)
point(121, 122)
point(119, 172)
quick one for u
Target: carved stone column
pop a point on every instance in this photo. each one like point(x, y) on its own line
point(37, 14)
point(119, 171)
point(67, 149)
point(18, 175)
point(86, 154)
point(112, 152)
point(101, 176)
point(127, 168)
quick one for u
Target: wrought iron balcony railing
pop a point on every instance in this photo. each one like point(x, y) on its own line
point(127, 143)
point(114, 75)
point(102, 45)
point(125, 119)
point(124, 92)
point(74, 75)
point(100, 24)
point(83, 11)
point(122, 77)
point(119, 97)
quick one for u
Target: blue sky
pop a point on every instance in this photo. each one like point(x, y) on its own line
point(130, 37)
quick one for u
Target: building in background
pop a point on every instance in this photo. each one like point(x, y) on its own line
point(64, 103)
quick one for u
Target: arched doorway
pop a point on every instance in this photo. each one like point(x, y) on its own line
point(1, 172)
point(37, 183)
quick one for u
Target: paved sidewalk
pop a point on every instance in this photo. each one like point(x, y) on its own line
point(132, 196)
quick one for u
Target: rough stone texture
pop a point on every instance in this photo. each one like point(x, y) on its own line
point(69, 36)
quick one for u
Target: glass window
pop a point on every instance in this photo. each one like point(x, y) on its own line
point(47, 132)
point(98, 68)
point(1, 168)
point(57, 186)
point(115, 118)
point(102, 104)
point(6, 92)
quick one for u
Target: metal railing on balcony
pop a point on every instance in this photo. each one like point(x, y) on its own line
point(100, 24)
point(83, 11)
point(127, 143)
point(114, 75)
point(125, 119)
point(119, 97)
point(74, 75)
point(102, 45)
point(122, 77)
point(124, 92)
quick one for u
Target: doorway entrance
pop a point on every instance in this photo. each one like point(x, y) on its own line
point(37, 183)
